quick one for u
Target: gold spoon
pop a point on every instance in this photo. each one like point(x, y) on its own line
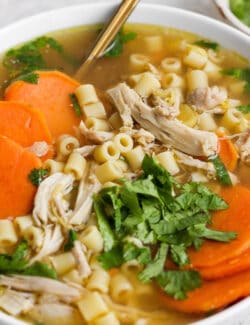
point(106, 36)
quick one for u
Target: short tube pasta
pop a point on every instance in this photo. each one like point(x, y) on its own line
point(92, 306)
point(22, 223)
point(115, 121)
point(196, 79)
point(195, 57)
point(120, 288)
point(108, 172)
point(212, 70)
point(97, 124)
point(63, 262)
point(8, 236)
point(92, 239)
point(123, 142)
point(166, 159)
point(122, 164)
point(171, 64)
point(76, 165)
point(147, 84)
point(99, 281)
point(135, 157)
point(34, 235)
point(86, 94)
point(108, 319)
point(94, 110)
point(73, 276)
point(172, 80)
point(206, 122)
point(54, 166)
point(138, 62)
point(106, 152)
point(66, 144)
point(231, 118)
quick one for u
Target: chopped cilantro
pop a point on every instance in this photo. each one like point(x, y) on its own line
point(177, 283)
point(210, 45)
point(245, 109)
point(115, 49)
point(72, 236)
point(30, 77)
point(75, 104)
point(165, 217)
point(242, 74)
point(221, 171)
point(17, 263)
point(36, 176)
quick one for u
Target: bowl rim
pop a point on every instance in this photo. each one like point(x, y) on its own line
point(26, 23)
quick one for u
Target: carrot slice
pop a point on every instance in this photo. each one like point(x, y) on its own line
point(212, 295)
point(17, 192)
point(23, 124)
point(235, 218)
point(51, 96)
point(228, 154)
point(232, 266)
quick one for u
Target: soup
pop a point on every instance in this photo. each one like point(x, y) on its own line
point(125, 197)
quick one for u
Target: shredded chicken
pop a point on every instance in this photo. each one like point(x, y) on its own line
point(172, 132)
point(84, 201)
point(142, 136)
point(39, 148)
point(79, 251)
point(208, 98)
point(199, 164)
point(40, 285)
point(15, 302)
point(85, 151)
point(96, 137)
point(168, 103)
point(57, 185)
point(243, 145)
point(53, 239)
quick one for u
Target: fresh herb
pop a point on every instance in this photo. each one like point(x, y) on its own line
point(17, 263)
point(72, 236)
point(37, 175)
point(29, 57)
point(75, 104)
point(221, 171)
point(165, 217)
point(115, 49)
point(242, 74)
point(241, 9)
point(245, 109)
point(210, 45)
point(31, 77)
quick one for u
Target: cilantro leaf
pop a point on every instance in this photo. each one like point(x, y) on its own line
point(115, 49)
point(30, 77)
point(155, 267)
point(221, 171)
point(111, 258)
point(245, 109)
point(237, 73)
point(37, 175)
point(131, 252)
point(177, 283)
point(200, 230)
point(72, 237)
point(210, 45)
point(75, 105)
point(40, 269)
point(179, 254)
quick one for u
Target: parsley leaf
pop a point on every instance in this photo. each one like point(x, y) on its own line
point(30, 77)
point(72, 236)
point(221, 171)
point(75, 105)
point(40, 269)
point(237, 73)
point(115, 49)
point(177, 283)
point(36, 176)
point(200, 230)
point(210, 45)
point(245, 109)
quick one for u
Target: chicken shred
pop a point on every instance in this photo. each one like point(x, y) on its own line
point(79, 251)
point(243, 145)
point(39, 148)
point(16, 302)
point(96, 137)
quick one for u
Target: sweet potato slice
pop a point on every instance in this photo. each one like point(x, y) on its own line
point(23, 124)
point(235, 218)
point(17, 192)
point(51, 96)
point(212, 295)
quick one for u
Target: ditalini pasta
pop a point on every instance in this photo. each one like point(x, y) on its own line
point(137, 212)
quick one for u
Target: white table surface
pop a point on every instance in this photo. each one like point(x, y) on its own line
point(13, 10)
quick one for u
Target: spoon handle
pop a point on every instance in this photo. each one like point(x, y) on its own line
point(107, 34)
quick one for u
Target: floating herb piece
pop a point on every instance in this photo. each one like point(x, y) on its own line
point(31, 77)
point(245, 109)
point(241, 74)
point(210, 45)
point(72, 236)
point(75, 104)
point(221, 171)
point(37, 175)
point(115, 49)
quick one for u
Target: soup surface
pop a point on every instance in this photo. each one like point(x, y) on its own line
point(125, 196)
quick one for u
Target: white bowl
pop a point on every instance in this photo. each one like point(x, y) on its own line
point(227, 36)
